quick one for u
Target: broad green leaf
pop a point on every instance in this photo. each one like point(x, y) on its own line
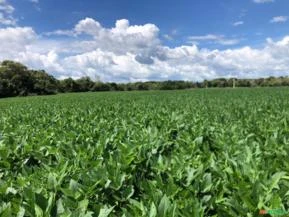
point(105, 211)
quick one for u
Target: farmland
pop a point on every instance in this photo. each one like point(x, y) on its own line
point(209, 152)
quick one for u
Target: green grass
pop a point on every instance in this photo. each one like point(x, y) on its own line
point(214, 152)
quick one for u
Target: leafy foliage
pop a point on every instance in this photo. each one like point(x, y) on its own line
point(157, 154)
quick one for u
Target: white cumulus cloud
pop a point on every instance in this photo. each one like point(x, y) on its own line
point(6, 14)
point(279, 19)
point(128, 52)
point(6, 7)
point(15, 40)
point(218, 39)
point(263, 1)
point(238, 23)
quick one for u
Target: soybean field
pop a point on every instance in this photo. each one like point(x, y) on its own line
point(189, 153)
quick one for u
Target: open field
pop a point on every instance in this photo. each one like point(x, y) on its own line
point(221, 152)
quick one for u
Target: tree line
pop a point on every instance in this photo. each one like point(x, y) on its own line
point(17, 80)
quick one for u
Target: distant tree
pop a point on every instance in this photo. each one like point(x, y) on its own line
point(99, 86)
point(243, 83)
point(285, 81)
point(121, 87)
point(142, 86)
point(68, 85)
point(44, 83)
point(10, 68)
point(17, 77)
point(259, 82)
point(113, 86)
point(84, 84)
point(6, 90)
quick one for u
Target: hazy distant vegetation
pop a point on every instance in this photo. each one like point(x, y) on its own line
point(17, 80)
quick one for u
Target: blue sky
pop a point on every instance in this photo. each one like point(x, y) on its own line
point(179, 19)
point(155, 40)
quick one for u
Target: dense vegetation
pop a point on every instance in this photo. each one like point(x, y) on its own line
point(17, 80)
point(220, 152)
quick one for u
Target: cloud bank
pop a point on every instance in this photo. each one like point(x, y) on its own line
point(126, 53)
